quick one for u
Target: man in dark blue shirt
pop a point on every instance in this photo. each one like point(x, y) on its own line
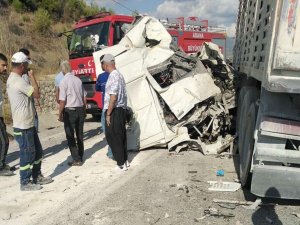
point(100, 86)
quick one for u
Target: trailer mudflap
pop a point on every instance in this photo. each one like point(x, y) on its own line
point(276, 181)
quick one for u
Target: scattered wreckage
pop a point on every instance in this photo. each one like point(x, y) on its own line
point(177, 100)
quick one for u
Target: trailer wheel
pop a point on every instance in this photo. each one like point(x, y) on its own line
point(247, 96)
point(246, 129)
point(239, 108)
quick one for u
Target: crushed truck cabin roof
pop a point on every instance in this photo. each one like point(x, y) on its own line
point(174, 99)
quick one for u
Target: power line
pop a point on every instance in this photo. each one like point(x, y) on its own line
point(123, 6)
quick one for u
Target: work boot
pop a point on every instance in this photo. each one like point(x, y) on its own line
point(31, 187)
point(11, 168)
point(7, 167)
point(5, 172)
point(42, 180)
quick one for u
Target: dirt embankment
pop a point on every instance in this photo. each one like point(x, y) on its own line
point(17, 31)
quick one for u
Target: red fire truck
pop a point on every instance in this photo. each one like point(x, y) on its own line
point(190, 33)
point(90, 34)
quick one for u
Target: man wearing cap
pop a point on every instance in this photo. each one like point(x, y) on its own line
point(4, 142)
point(26, 78)
point(100, 86)
point(115, 103)
point(31, 152)
point(72, 103)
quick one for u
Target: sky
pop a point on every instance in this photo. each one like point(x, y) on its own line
point(221, 13)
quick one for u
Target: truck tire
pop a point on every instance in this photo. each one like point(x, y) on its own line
point(246, 133)
point(247, 96)
point(239, 108)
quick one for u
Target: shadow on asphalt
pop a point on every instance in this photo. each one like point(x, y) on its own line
point(63, 167)
point(266, 213)
point(53, 149)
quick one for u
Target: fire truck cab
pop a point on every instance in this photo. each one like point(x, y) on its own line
point(91, 34)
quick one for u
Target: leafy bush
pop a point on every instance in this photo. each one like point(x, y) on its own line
point(18, 6)
point(42, 21)
point(91, 10)
point(54, 7)
point(74, 9)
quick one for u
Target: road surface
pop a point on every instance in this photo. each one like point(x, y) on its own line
point(159, 187)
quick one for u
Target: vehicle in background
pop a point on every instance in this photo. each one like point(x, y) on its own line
point(91, 34)
point(267, 51)
point(190, 33)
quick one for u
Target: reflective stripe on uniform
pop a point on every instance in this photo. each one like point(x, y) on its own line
point(38, 161)
point(27, 167)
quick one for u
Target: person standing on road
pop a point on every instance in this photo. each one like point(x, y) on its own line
point(100, 86)
point(4, 142)
point(58, 78)
point(115, 103)
point(72, 103)
point(26, 78)
point(31, 151)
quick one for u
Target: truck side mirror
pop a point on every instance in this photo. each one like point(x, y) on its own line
point(68, 35)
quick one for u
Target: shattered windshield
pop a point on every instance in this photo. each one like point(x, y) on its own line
point(86, 40)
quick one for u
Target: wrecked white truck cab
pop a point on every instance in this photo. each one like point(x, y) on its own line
point(170, 93)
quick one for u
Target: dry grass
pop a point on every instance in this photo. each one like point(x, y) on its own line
point(17, 31)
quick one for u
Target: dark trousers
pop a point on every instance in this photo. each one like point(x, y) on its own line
point(116, 135)
point(73, 121)
point(31, 153)
point(3, 143)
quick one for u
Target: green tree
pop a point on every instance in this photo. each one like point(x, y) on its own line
point(74, 9)
point(54, 8)
point(91, 10)
point(18, 6)
point(42, 21)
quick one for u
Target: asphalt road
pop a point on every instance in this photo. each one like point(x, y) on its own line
point(158, 188)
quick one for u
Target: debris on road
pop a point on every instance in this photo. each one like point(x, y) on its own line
point(232, 202)
point(223, 186)
point(296, 214)
point(217, 213)
point(188, 98)
point(184, 188)
point(220, 173)
point(227, 205)
point(254, 205)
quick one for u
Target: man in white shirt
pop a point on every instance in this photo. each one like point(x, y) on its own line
point(72, 103)
point(115, 104)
